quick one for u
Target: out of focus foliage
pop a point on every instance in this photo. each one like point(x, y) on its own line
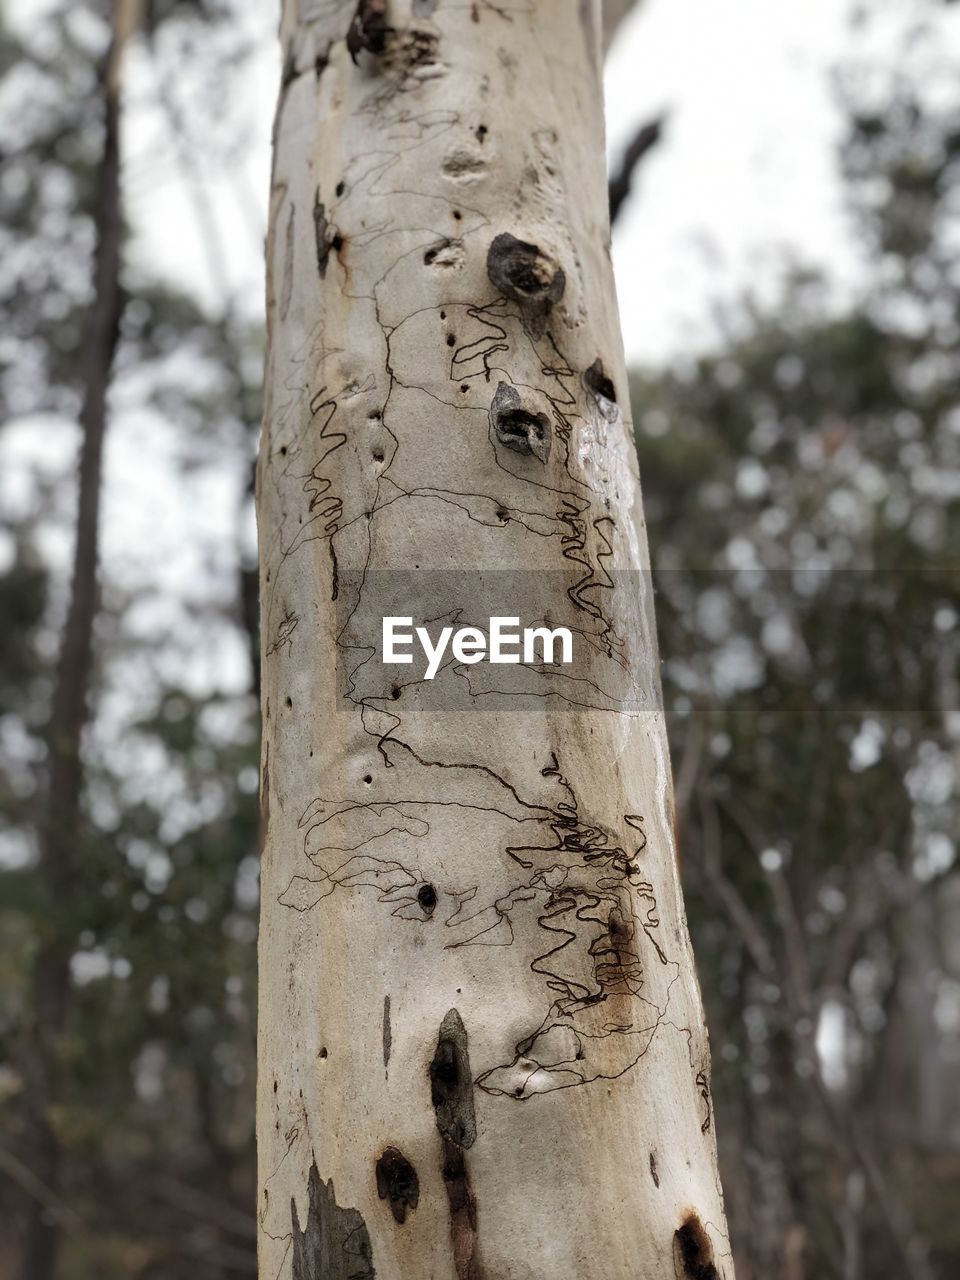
point(803, 502)
point(156, 1111)
point(802, 488)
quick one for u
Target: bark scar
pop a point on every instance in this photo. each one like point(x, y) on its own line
point(451, 1092)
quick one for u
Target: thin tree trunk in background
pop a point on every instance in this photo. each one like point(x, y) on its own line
point(482, 1053)
point(61, 832)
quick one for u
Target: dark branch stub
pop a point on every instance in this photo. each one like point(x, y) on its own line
point(527, 276)
point(397, 1182)
point(523, 430)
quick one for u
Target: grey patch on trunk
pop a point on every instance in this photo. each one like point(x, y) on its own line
point(528, 276)
point(589, 33)
point(451, 1083)
point(522, 430)
point(335, 1243)
point(387, 1034)
point(397, 1182)
point(424, 8)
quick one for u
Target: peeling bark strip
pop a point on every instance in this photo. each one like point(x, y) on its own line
point(397, 1182)
point(334, 1244)
point(527, 276)
point(693, 1252)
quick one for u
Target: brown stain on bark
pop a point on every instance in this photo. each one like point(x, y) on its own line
point(693, 1251)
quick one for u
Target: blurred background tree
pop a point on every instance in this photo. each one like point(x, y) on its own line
point(802, 482)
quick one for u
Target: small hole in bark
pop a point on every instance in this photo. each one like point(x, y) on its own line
point(275, 1086)
point(336, 244)
point(482, 132)
point(322, 1053)
point(443, 315)
point(340, 188)
point(501, 515)
point(429, 256)
point(427, 897)
point(283, 451)
point(376, 415)
point(599, 381)
point(451, 340)
point(395, 692)
point(378, 454)
point(457, 215)
point(464, 387)
point(289, 702)
point(368, 778)
point(522, 425)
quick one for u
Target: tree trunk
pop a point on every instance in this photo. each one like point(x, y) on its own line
point(482, 1050)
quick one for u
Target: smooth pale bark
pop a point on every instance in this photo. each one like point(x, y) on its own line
point(482, 1050)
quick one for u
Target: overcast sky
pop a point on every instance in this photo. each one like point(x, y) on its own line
point(745, 174)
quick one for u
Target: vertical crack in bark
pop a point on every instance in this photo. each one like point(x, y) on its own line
point(387, 1035)
point(334, 1244)
point(451, 1092)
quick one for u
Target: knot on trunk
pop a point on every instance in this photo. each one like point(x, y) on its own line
point(518, 428)
point(369, 28)
point(527, 276)
point(397, 1182)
